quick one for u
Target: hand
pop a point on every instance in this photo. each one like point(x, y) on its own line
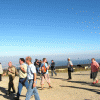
point(3, 75)
point(24, 81)
point(21, 68)
point(9, 70)
point(34, 85)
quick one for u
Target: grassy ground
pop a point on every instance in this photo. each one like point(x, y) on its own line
point(66, 70)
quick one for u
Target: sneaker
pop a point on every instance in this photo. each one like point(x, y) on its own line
point(97, 81)
point(50, 87)
point(13, 92)
point(42, 88)
point(7, 93)
point(93, 83)
point(69, 78)
point(16, 98)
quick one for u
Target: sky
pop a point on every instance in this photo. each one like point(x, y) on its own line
point(49, 28)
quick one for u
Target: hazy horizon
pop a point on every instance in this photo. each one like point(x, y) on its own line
point(59, 57)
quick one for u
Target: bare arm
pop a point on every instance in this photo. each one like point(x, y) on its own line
point(37, 63)
point(34, 80)
point(4, 74)
point(71, 65)
point(22, 69)
point(48, 67)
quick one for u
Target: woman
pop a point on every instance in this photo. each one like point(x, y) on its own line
point(44, 72)
point(94, 70)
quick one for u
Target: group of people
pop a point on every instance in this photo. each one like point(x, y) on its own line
point(28, 72)
point(38, 63)
point(27, 76)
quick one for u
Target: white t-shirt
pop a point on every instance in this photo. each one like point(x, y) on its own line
point(69, 64)
point(30, 71)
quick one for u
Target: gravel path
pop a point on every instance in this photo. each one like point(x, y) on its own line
point(79, 88)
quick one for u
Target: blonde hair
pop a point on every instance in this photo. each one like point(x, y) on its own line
point(29, 58)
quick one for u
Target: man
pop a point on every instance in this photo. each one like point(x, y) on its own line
point(53, 68)
point(31, 76)
point(37, 66)
point(1, 72)
point(70, 64)
point(45, 75)
point(22, 76)
point(11, 73)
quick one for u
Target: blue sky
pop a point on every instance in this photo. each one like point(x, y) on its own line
point(49, 27)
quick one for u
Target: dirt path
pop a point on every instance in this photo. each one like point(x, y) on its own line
point(79, 88)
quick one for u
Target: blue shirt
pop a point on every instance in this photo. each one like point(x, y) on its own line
point(30, 71)
point(45, 66)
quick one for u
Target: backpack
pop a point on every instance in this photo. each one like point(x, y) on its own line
point(43, 69)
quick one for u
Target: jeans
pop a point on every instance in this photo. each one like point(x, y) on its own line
point(53, 71)
point(37, 69)
point(32, 91)
point(20, 86)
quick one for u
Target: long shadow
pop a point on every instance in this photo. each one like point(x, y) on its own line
point(59, 78)
point(85, 83)
point(81, 74)
point(92, 90)
point(3, 90)
point(39, 88)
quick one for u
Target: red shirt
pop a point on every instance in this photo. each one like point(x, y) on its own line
point(94, 66)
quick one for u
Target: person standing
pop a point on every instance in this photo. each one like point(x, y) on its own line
point(94, 70)
point(31, 76)
point(37, 66)
point(45, 74)
point(11, 73)
point(1, 72)
point(53, 68)
point(22, 76)
point(70, 64)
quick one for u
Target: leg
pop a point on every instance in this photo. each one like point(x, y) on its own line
point(94, 74)
point(13, 87)
point(9, 84)
point(70, 74)
point(9, 87)
point(55, 72)
point(20, 86)
point(32, 91)
point(51, 72)
point(29, 90)
point(36, 93)
point(42, 81)
point(47, 79)
point(0, 77)
point(26, 84)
